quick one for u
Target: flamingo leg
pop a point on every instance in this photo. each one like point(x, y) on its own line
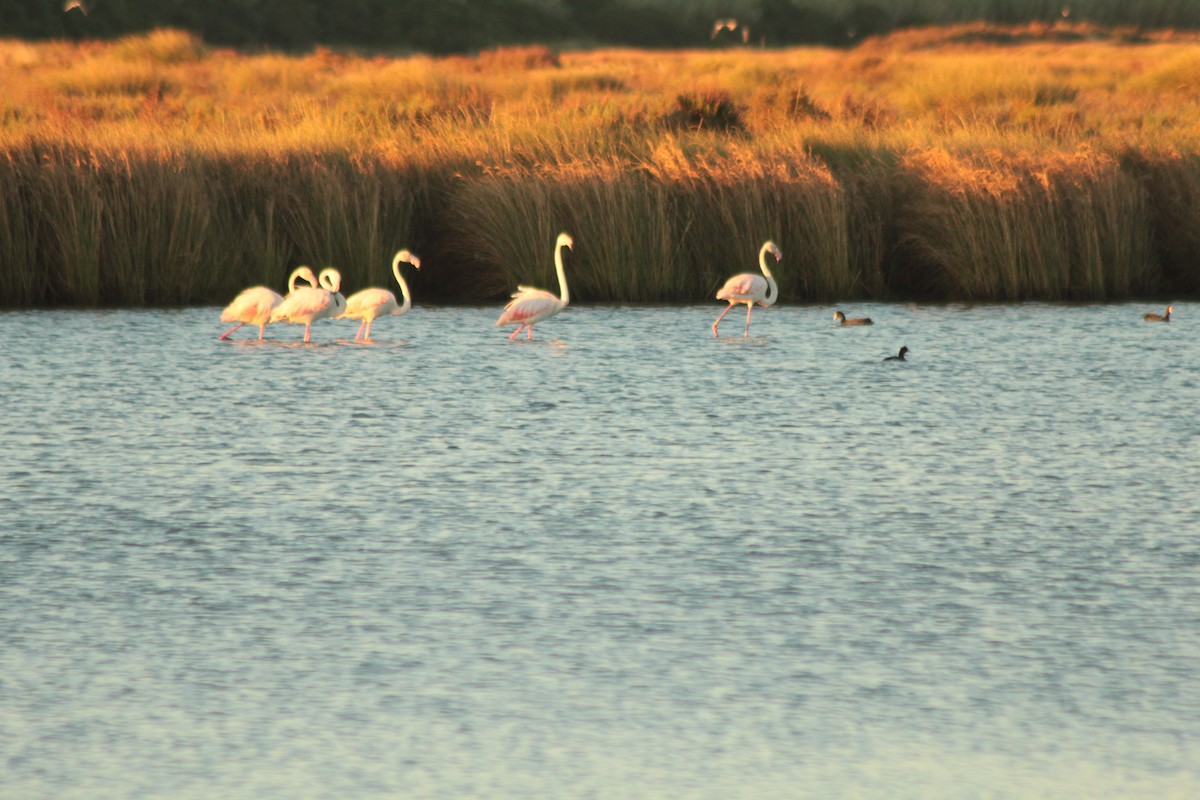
point(231, 330)
point(518, 330)
point(361, 325)
point(528, 332)
point(718, 322)
point(262, 329)
point(367, 334)
point(749, 308)
point(307, 329)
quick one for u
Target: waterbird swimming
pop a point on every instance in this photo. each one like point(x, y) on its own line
point(749, 288)
point(530, 305)
point(899, 356)
point(839, 316)
point(1159, 317)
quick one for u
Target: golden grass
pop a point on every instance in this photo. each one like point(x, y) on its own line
point(972, 162)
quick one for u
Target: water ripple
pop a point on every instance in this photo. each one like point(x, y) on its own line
point(605, 562)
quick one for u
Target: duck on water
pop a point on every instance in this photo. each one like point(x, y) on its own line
point(1159, 317)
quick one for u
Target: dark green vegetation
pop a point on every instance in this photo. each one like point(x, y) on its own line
point(446, 26)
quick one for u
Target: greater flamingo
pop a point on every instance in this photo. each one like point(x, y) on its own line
point(749, 288)
point(1160, 317)
point(529, 305)
point(307, 305)
point(369, 304)
point(254, 305)
point(839, 316)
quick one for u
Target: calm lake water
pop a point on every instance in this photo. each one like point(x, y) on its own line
point(622, 560)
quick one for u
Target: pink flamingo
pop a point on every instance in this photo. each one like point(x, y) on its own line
point(254, 305)
point(308, 304)
point(369, 304)
point(529, 305)
point(749, 288)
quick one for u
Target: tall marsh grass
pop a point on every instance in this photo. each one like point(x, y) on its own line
point(157, 170)
point(1061, 227)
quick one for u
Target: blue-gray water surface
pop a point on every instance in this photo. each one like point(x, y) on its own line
point(622, 560)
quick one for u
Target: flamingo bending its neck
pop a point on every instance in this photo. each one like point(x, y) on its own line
point(369, 304)
point(254, 305)
point(749, 288)
point(529, 305)
point(308, 304)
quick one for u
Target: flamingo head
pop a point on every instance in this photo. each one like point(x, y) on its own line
point(565, 240)
point(405, 255)
point(774, 250)
point(331, 279)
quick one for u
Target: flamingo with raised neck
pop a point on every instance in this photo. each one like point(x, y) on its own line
point(368, 305)
point(749, 288)
point(530, 305)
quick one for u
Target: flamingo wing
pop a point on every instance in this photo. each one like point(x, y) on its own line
point(302, 305)
point(251, 305)
point(529, 305)
point(744, 287)
point(374, 302)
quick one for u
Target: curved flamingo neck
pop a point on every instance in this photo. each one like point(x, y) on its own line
point(565, 296)
point(331, 280)
point(400, 280)
point(297, 274)
point(772, 287)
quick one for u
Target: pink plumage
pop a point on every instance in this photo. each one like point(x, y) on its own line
point(749, 288)
point(307, 305)
point(530, 305)
point(744, 288)
point(369, 304)
point(254, 305)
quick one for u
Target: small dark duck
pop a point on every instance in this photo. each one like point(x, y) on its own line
point(899, 356)
point(840, 317)
point(1159, 317)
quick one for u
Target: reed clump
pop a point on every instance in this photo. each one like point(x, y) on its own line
point(158, 170)
point(996, 227)
point(1171, 182)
